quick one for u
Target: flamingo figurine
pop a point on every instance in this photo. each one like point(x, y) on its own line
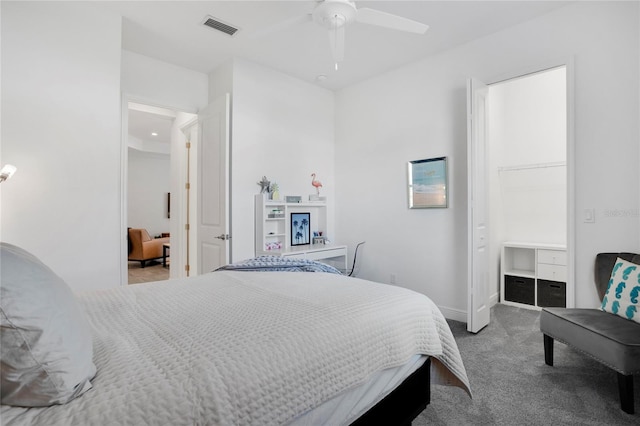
point(316, 183)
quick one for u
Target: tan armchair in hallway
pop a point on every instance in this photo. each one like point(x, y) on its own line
point(143, 247)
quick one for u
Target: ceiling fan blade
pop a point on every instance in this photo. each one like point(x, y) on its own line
point(281, 26)
point(336, 38)
point(387, 20)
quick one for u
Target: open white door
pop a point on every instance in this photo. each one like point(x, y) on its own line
point(213, 186)
point(478, 251)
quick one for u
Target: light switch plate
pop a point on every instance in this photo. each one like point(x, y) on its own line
point(589, 215)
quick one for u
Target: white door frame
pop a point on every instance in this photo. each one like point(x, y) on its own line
point(189, 200)
point(124, 179)
point(569, 64)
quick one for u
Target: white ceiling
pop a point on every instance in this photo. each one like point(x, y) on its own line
point(172, 31)
point(150, 123)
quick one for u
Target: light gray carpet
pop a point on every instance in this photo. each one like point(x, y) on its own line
point(512, 385)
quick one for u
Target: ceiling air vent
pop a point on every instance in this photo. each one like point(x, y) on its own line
point(218, 25)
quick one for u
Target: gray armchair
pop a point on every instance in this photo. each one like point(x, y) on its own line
point(610, 339)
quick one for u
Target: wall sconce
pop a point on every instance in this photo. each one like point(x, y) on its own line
point(6, 172)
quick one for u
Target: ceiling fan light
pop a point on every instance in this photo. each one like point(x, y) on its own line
point(334, 22)
point(335, 15)
point(326, 13)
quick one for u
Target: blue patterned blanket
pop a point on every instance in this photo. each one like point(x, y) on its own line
point(279, 263)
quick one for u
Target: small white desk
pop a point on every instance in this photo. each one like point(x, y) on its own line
point(317, 252)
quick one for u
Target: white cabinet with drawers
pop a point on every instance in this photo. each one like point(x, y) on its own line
point(533, 275)
point(273, 232)
point(552, 265)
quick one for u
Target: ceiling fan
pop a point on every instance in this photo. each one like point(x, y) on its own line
point(335, 15)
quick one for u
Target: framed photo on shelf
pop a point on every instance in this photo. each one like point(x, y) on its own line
point(428, 183)
point(300, 229)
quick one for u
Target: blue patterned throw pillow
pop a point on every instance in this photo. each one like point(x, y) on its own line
point(623, 293)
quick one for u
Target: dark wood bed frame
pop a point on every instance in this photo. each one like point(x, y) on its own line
point(404, 403)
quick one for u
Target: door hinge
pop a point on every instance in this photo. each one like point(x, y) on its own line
point(187, 185)
point(186, 227)
point(186, 268)
point(188, 145)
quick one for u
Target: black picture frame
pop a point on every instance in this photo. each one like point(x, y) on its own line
point(300, 229)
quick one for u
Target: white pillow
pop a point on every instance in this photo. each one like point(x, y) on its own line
point(45, 340)
point(623, 293)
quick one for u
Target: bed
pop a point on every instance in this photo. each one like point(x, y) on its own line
point(244, 346)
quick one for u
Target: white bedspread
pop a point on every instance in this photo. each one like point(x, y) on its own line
point(245, 348)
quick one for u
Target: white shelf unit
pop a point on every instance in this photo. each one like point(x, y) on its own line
point(533, 275)
point(273, 225)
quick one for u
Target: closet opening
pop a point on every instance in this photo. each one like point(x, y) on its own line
point(528, 190)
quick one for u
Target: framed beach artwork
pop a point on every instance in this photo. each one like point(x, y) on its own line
point(428, 183)
point(300, 229)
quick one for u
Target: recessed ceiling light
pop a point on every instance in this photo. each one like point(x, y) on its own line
point(154, 134)
point(321, 77)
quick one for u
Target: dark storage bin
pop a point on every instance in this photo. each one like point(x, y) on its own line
point(519, 289)
point(552, 294)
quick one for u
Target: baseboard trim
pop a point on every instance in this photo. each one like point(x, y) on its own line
point(461, 316)
point(494, 299)
point(453, 314)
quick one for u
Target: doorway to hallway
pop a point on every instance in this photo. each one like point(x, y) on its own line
point(151, 135)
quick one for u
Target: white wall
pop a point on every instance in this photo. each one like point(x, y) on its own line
point(61, 128)
point(527, 163)
point(419, 111)
point(221, 81)
point(282, 128)
point(148, 185)
point(61, 115)
point(158, 83)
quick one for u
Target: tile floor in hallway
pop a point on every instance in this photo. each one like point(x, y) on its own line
point(153, 271)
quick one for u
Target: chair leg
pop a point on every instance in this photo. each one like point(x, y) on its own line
point(625, 387)
point(548, 350)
